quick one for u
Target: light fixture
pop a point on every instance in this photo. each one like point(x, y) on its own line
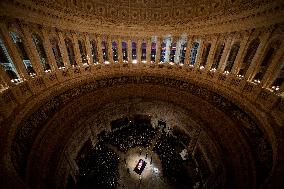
point(256, 81)
point(226, 72)
point(213, 70)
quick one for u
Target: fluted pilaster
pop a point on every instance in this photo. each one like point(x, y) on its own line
point(241, 53)
point(32, 51)
point(88, 49)
point(76, 49)
point(109, 49)
point(63, 50)
point(168, 49)
point(256, 61)
point(119, 50)
point(224, 57)
point(139, 50)
point(129, 50)
point(48, 49)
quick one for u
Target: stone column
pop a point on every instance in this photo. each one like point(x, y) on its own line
point(48, 49)
point(212, 52)
point(129, 50)
point(178, 49)
point(14, 53)
point(119, 50)
point(148, 50)
point(225, 54)
point(63, 50)
point(158, 49)
point(168, 49)
point(139, 50)
point(99, 49)
point(109, 49)
point(88, 49)
point(273, 69)
point(241, 53)
point(76, 49)
point(199, 53)
point(256, 61)
point(188, 50)
point(32, 51)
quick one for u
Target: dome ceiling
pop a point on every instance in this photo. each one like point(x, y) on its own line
point(161, 12)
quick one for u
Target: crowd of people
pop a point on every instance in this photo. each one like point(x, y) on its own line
point(99, 169)
point(131, 136)
point(174, 167)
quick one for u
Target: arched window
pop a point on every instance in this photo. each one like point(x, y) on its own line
point(173, 52)
point(134, 52)
point(249, 56)
point(124, 51)
point(153, 51)
point(56, 52)
point(143, 52)
point(104, 50)
point(182, 52)
point(94, 51)
point(70, 51)
point(232, 57)
point(7, 63)
point(114, 51)
point(22, 51)
point(41, 51)
point(163, 52)
point(218, 55)
point(264, 65)
point(205, 55)
point(193, 53)
point(83, 51)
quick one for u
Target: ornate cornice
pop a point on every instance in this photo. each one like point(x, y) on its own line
point(256, 14)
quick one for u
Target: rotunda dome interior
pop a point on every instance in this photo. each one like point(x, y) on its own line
point(141, 94)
